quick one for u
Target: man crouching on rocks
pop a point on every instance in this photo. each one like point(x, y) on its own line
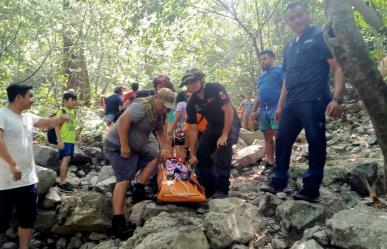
point(131, 147)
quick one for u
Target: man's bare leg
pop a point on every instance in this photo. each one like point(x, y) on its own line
point(269, 135)
point(25, 235)
point(119, 197)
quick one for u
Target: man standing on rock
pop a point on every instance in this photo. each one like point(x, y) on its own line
point(269, 86)
point(17, 165)
point(131, 147)
point(305, 101)
point(222, 132)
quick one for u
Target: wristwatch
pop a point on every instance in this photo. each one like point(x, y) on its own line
point(338, 99)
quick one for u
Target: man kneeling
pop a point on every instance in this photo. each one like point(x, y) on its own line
point(131, 147)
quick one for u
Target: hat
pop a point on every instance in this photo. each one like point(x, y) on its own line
point(167, 97)
point(191, 75)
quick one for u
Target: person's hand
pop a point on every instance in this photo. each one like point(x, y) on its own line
point(333, 109)
point(169, 133)
point(222, 141)
point(16, 172)
point(165, 154)
point(277, 114)
point(125, 151)
point(64, 118)
point(194, 160)
point(60, 145)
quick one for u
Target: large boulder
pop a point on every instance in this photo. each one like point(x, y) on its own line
point(249, 137)
point(45, 220)
point(46, 156)
point(248, 156)
point(309, 244)
point(368, 171)
point(47, 179)
point(297, 215)
point(52, 198)
point(164, 231)
point(84, 212)
point(231, 221)
point(360, 227)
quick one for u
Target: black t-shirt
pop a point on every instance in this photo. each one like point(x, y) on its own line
point(215, 97)
point(113, 103)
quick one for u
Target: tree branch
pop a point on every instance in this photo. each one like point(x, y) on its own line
point(36, 70)
point(370, 16)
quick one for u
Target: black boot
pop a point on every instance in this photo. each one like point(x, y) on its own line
point(120, 229)
point(139, 193)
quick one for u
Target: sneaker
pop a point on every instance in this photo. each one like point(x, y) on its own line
point(66, 188)
point(138, 194)
point(268, 169)
point(271, 189)
point(307, 195)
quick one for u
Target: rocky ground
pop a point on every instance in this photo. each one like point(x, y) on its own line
point(249, 218)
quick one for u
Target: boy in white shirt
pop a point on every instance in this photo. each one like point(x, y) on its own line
point(18, 176)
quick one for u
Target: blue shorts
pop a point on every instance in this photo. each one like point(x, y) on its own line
point(68, 150)
point(267, 118)
point(25, 202)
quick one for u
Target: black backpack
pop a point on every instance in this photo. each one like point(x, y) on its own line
point(51, 135)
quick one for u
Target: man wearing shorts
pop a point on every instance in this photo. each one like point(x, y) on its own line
point(131, 147)
point(17, 166)
point(269, 86)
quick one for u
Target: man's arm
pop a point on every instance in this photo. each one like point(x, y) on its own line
point(334, 108)
point(228, 115)
point(255, 106)
point(7, 157)
point(51, 122)
point(123, 132)
point(165, 143)
point(281, 101)
point(191, 137)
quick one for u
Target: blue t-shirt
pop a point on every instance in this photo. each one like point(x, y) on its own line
point(306, 68)
point(269, 85)
point(113, 103)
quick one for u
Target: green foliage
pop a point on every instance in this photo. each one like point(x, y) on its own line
point(126, 41)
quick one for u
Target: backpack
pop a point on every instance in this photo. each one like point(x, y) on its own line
point(51, 135)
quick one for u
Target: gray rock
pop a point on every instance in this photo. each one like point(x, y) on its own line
point(297, 215)
point(321, 237)
point(249, 137)
point(105, 173)
point(372, 140)
point(278, 244)
point(88, 245)
point(309, 244)
point(110, 244)
point(46, 157)
point(152, 209)
point(175, 230)
point(45, 220)
point(237, 246)
point(75, 242)
point(368, 171)
point(361, 228)
point(47, 179)
point(230, 221)
point(36, 244)
point(268, 204)
point(248, 156)
point(61, 243)
point(52, 198)
point(137, 213)
point(177, 238)
point(106, 185)
point(97, 236)
point(9, 245)
point(84, 212)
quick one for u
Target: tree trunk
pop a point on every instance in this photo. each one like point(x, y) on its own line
point(350, 50)
point(75, 67)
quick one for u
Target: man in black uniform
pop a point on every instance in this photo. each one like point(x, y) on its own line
point(211, 101)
